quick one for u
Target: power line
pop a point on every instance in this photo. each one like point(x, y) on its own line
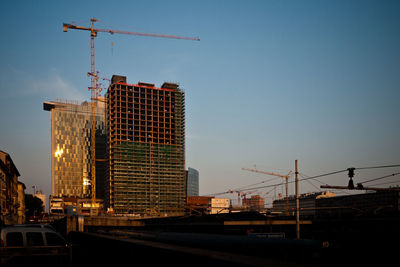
point(244, 187)
point(378, 167)
point(386, 176)
point(386, 183)
point(273, 185)
point(318, 176)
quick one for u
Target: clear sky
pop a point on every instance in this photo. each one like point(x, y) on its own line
point(269, 82)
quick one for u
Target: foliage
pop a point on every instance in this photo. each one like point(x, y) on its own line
point(33, 205)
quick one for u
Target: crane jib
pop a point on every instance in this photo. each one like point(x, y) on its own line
point(66, 26)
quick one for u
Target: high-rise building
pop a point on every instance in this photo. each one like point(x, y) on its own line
point(193, 182)
point(146, 146)
point(70, 148)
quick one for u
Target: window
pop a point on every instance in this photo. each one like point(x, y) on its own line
point(34, 239)
point(14, 239)
point(54, 240)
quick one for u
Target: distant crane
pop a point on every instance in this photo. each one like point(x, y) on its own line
point(238, 194)
point(279, 175)
point(244, 194)
point(93, 87)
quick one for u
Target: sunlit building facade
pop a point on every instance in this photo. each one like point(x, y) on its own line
point(146, 145)
point(70, 148)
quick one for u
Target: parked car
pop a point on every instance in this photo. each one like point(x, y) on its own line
point(27, 244)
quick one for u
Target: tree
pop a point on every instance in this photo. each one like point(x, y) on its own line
point(33, 205)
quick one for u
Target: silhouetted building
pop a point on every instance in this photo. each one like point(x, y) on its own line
point(146, 141)
point(307, 203)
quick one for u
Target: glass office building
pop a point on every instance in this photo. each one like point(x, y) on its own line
point(193, 182)
point(70, 148)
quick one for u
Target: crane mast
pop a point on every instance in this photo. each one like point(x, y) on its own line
point(94, 88)
point(93, 98)
point(286, 177)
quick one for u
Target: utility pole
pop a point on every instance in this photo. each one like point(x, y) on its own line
point(297, 203)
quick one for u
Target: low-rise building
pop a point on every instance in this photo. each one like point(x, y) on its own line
point(8, 189)
point(21, 204)
point(207, 205)
point(61, 206)
point(255, 202)
point(220, 205)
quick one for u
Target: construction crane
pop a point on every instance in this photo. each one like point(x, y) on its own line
point(279, 175)
point(94, 88)
point(244, 194)
point(238, 194)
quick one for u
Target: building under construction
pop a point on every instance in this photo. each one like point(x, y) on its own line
point(146, 146)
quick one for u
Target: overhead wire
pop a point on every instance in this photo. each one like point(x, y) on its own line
point(386, 183)
point(278, 184)
point(268, 180)
point(379, 178)
point(379, 167)
point(304, 176)
point(314, 178)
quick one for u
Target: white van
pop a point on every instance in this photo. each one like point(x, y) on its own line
point(28, 243)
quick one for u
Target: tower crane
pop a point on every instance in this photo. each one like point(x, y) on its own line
point(279, 175)
point(238, 194)
point(94, 88)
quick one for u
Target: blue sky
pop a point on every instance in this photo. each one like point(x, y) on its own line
point(269, 82)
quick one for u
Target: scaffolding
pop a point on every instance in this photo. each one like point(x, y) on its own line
point(146, 146)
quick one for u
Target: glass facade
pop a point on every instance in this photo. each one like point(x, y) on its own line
point(193, 182)
point(70, 148)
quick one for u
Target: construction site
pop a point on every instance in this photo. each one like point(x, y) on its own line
point(134, 142)
point(142, 203)
point(146, 148)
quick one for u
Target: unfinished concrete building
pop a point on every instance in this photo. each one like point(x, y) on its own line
point(146, 146)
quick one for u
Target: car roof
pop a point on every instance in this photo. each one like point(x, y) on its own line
point(24, 228)
point(48, 226)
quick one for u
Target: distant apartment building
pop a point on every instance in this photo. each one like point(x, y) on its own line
point(10, 192)
point(70, 148)
point(146, 146)
point(193, 182)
